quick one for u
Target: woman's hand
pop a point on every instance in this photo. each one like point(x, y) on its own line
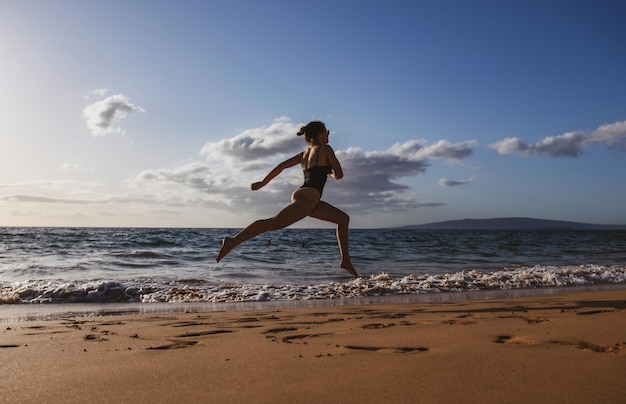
point(257, 185)
point(295, 160)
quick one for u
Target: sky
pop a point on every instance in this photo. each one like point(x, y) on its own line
point(152, 113)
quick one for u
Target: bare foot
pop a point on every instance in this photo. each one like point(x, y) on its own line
point(227, 245)
point(349, 267)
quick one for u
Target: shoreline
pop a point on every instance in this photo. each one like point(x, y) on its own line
point(12, 313)
point(559, 348)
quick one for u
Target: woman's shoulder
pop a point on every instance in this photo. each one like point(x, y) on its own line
point(316, 152)
point(325, 148)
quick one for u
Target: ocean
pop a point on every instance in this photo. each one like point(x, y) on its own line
point(152, 265)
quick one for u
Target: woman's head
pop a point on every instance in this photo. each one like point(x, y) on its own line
point(312, 130)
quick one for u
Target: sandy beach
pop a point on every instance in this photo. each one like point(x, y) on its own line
point(566, 348)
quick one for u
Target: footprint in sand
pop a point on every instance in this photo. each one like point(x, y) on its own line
point(187, 324)
point(507, 339)
point(591, 346)
point(385, 349)
point(93, 337)
point(592, 312)
point(290, 338)
point(376, 326)
point(203, 333)
point(465, 322)
point(175, 344)
point(535, 320)
point(278, 330)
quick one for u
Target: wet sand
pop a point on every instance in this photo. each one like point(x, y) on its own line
point(568, 348)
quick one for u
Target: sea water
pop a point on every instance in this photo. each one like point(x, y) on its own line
point(151, 265)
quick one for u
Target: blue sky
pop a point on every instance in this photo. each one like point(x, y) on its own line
point(161, 113)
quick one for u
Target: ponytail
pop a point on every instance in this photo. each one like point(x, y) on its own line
point(311, 130)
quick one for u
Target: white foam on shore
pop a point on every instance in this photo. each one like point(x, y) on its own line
point(382, 284)
point(41, 312)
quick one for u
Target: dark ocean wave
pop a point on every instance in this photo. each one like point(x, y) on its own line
point(60, 265)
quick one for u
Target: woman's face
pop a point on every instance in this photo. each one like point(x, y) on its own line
point(322, 138)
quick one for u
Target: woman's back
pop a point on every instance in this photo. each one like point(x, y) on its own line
point(315, 174)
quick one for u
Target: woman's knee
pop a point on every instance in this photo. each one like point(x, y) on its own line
point(343, 219)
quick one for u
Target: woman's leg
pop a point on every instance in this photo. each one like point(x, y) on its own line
point(302, 203)
point(329, 213)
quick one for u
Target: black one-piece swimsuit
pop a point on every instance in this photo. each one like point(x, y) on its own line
point(315, 176)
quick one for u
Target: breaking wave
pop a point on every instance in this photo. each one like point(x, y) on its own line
point(198, 290)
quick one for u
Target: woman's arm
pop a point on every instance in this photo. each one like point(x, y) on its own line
point(334, 163)
point(295, 160)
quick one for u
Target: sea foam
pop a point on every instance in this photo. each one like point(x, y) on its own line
point(186, 291)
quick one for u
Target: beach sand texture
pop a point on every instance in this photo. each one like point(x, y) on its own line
point(551, 349)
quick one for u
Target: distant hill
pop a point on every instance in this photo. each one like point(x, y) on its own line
point(512, 223)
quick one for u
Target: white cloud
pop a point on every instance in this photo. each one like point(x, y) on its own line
point(571, 144)
point(417, 150)
point(46, 184)
point(60, 192)
point(371, 178)
point(253, 144)
point(195, 175)
point(100, 92)
point(374, 181)
point(444, 182)
point(370, 182)
point(101, 116)
point(45, 199)
point(69, 166)
point(73, 167)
